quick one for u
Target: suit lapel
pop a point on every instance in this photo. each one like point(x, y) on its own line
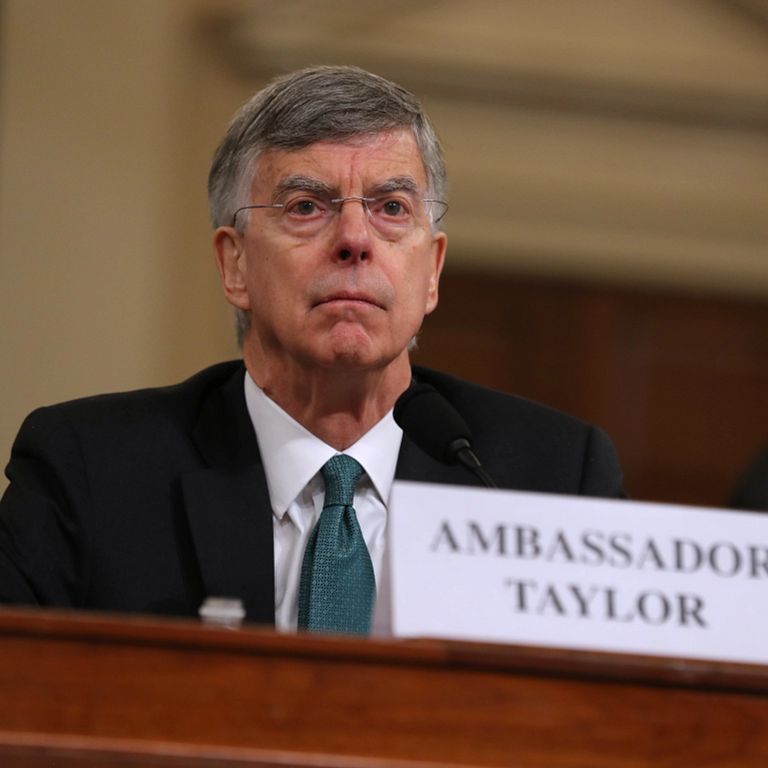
point(228, 505)
point(231, 523)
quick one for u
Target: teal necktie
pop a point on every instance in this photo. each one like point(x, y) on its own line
point(337, 587)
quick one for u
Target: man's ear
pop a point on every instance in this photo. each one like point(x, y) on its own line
point(439, 245)
point(229, 250)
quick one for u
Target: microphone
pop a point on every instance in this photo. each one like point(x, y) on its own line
point(432, 422)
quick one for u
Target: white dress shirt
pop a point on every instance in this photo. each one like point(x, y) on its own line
point(292, 458)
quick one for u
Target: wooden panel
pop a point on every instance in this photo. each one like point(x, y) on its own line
point(680, 382)
point(82, 690)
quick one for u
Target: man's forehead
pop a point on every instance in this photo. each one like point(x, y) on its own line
point(373, 159)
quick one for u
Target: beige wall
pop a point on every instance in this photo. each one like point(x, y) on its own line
point(106, 277)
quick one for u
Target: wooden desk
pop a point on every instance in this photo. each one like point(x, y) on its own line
point(86, 690)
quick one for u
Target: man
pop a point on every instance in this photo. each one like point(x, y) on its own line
point(326, 195)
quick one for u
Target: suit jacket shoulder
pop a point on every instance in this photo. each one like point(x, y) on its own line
point(140, 501)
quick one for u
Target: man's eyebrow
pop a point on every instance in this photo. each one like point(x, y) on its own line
point(395, 184)
point(303, 184)
point(315, 186)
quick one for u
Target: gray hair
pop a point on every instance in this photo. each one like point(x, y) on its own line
point(311, 105)
point(319, 103)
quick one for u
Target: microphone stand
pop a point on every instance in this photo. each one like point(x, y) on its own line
point(462, 451)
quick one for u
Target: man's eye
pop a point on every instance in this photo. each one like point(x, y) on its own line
point(304, 207)
point(393, 208)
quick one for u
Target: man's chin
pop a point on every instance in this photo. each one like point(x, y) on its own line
point(352, 357)
point(350, 354)
point(353, 346)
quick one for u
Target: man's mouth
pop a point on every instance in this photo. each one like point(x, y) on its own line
point(350, 297)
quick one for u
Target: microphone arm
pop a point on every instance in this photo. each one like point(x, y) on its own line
point(462, 451)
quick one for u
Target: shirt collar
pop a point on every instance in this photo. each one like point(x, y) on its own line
point(292, 455)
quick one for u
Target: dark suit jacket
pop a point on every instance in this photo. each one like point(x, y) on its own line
point(151, 501)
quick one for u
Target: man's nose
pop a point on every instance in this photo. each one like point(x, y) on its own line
point(353, 229)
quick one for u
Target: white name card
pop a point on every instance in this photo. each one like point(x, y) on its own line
point(576, 572)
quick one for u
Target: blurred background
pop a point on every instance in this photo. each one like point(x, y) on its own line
point(608, 228)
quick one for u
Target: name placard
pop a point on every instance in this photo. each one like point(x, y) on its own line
point(576, 572)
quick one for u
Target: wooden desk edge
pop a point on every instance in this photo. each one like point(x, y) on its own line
point(104, 628)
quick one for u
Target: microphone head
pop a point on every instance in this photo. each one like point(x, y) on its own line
point(432, 422)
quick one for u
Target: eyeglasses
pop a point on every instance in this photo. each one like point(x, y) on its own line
point(393, 216)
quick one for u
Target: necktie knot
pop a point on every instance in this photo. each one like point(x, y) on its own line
point(341, 473)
